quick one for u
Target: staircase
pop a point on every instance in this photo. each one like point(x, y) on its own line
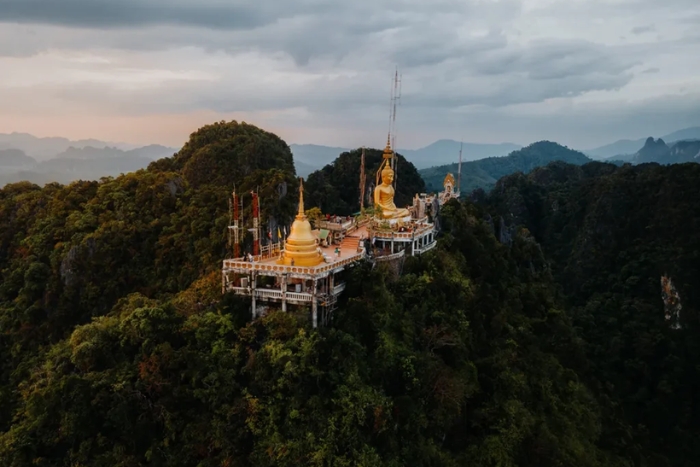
point(350, 244)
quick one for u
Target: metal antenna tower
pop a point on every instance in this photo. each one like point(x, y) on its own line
point(459, 171)
point(395, 100)
point(362, 180)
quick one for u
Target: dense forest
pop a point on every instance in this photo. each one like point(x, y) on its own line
point(536, 340)
point(484, 173)
point(612, 233)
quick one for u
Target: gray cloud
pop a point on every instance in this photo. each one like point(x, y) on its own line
point(531, 74)
point(326, 62)
point(302, 28)
point(643, 29)
point(130, 13)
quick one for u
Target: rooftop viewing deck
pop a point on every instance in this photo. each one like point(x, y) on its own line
point(350, 251)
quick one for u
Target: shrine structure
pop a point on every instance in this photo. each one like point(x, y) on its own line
point(449, 191)
point(306, 269)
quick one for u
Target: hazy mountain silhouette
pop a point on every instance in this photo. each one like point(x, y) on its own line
point(15, 159)
point(46, 148)
point(629, 147)
point(484, 173)
point(76, 163)
point(443, 151)
point(152, 152)
point(660, 152)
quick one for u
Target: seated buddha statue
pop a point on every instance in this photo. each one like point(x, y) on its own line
point(384, 197)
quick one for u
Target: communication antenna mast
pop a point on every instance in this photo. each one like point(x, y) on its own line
point(234, 203)
point(459, 171)
point(363, 180)
point(395, 100)
point(256, 223)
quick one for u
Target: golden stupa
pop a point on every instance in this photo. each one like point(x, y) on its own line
point(301, 247)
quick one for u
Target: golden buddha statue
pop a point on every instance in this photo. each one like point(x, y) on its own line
point(301, 247)
point(384, 196)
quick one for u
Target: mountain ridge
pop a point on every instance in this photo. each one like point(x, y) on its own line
point(42, 148)
point(442, 151)
point(88, 163)
point(660, 152)
point(631, 146)
point(484, 173)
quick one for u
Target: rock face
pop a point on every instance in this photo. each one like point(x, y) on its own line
point(653, 151)
point(658, 151)
point(393, 264)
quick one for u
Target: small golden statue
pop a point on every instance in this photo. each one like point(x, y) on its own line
point(384, 197)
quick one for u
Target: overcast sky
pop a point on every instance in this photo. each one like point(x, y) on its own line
point(580, 72)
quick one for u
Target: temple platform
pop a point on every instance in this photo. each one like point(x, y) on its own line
point(272, 279)
point(318, 287)
point(350, 249)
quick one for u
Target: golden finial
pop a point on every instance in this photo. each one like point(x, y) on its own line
point(387, 150)
point(301, 198)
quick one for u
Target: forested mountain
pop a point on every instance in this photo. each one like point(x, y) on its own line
point(613, 234)
point(541, 346)
point(485, 172)
point(446, 151)
point(336, 187)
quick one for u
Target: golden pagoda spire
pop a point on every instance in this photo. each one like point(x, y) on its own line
point(301, 247)
point(301, 214)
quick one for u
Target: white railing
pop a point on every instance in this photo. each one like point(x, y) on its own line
point(268, 293)
point(274, 268)
point(272, 294)
point(267, 252)
point(299, 297)
point(427, 247)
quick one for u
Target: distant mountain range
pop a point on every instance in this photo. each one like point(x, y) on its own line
point(47, 148)
point(660, 152)
point(40, 160)
point(311, 157)
point(75, 163)
point(627, 147)
point(485, 172)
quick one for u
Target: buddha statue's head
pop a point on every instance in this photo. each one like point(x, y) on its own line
point(387, 175)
